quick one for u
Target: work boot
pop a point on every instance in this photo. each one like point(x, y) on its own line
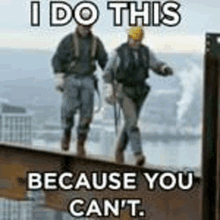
point(120, 147)
point(119, 156)
point(81, 145)
point(66, 140)
point(140, 159)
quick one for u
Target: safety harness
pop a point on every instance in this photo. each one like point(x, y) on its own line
point(93, 53)
point(77, 49)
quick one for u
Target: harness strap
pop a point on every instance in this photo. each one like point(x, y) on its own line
point(94, 46)
point(76, 46)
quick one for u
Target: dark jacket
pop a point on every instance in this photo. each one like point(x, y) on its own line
point(62, 61)
point(134, 65)
point(130, 66)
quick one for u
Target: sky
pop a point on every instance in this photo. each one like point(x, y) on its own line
point(198, 17)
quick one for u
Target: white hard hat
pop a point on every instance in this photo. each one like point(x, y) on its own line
point(86, 13)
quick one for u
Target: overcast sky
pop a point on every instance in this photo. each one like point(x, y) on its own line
point(198, 17)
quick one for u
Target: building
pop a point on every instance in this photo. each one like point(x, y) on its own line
point(15, 124)
point(15, 210)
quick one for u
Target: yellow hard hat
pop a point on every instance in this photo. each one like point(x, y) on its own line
point(136, 33)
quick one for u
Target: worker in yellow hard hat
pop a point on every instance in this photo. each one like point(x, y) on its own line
point(136, 33)
point(127, 70)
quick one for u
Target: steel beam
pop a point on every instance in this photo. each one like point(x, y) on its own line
point(158, 204)
point(211, 128)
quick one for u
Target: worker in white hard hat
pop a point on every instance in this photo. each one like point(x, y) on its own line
point(127, 70)
point(74, 64)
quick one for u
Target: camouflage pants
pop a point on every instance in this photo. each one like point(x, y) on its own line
point(78, 95)
point(131, 109)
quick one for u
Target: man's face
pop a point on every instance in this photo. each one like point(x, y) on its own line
point(84, 30)
point(134, 43)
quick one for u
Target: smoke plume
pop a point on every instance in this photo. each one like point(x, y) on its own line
point(191, 84)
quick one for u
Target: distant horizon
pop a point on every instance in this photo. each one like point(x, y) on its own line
point(52, 51)
point(197, 19)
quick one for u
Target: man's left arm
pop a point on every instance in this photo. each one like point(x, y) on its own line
point(101, 54)
point(158, 66)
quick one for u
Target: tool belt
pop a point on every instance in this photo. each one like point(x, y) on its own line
point(136, 91)
point(81, 76)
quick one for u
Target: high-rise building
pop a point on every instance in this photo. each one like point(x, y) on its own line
point(15, 124)
point(15, 210)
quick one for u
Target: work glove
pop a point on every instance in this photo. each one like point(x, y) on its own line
point(59, 81)
point(109, 97)
point(168, 71)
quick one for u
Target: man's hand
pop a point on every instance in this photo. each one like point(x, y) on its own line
point(168, 71)
point(59, 81)
point(109, 97)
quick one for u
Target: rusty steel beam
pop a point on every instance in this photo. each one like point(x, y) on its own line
point(158, 204)
point(211, 129)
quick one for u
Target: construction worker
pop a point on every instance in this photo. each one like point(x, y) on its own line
point(74, 66)
point(127, 70)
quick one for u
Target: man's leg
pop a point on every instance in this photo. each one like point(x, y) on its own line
point(139, 104)
point(131, 118)
point(86, 114)
point(70, 104)
point(121, 146)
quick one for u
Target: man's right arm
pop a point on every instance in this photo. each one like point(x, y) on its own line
point(61, 57)
point(60, 61)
